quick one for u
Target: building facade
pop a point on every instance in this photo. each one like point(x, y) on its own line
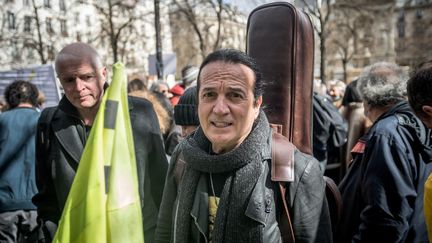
point(33, 31)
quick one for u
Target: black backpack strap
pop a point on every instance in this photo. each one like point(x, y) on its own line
point(45, 127)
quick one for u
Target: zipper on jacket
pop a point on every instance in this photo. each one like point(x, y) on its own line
point(175, 221)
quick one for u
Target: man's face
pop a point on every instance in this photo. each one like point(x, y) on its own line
point(164, 90)
point(82, 83)
point(226, 105)
point(335, 93)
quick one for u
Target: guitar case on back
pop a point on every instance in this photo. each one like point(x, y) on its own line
point(281, 39)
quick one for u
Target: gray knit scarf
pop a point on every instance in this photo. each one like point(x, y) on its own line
point(245, 165)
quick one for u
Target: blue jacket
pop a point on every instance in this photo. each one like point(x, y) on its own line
point(383, 190)
point(17, 158)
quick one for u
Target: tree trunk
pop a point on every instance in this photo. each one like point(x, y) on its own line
point(322, 58)
point(39, 44)
point(159, 59)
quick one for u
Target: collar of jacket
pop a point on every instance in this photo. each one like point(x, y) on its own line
point(421, 135)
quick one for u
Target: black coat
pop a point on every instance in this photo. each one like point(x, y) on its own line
point(56, 164)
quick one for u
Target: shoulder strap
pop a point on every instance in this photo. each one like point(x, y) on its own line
point(334, 199)
point(282, 152)
point(282, 171)
point(45, 125)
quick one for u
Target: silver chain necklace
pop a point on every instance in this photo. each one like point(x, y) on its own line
point(212, 189)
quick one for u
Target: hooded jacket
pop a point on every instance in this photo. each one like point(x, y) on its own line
point(383, 190)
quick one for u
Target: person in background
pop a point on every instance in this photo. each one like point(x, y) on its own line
point(185, 112)
point(225, 193)
point(382, 191)
point(176, 92)
point(329, 136)
point(420, 98)
point(17, 163)
point(169, 132)
point(63, 130)
point(3, 105)
point(352, 110)
point(161, 91)
point(189, 75)
point(336, 91)
point(137, 88)
point(41, 100)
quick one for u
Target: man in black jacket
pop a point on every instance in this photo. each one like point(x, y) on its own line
point(63, 130)
point(226, 193)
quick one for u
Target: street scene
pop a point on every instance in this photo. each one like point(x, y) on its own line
point(215, 121)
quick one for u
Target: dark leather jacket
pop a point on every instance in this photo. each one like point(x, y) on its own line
point(55, 168)
point(305, 196)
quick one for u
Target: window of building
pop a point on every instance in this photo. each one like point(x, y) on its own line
point(15, 52)
point(27, 23)
point(51, 54)
point(47, 3)
point(88, 21)
point(63, 27)
point(11, 20)
point(401, 25)
point(78, 36)
point(48, 24)
point(62, 5)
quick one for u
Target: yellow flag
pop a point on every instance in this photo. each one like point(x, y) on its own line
point(103, 204)
point(428, 205)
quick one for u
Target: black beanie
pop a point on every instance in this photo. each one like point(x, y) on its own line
point(185, 112)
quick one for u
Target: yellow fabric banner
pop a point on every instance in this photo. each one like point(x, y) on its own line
point(428, 205)
point(103, 204)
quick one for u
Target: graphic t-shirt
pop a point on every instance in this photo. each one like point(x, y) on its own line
point(215, 185)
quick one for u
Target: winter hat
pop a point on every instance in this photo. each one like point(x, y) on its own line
point(189, 74)
point(177, 90)
point(185, 112)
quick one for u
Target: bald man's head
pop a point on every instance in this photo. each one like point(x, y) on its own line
point(78, 53)
point(82, 75)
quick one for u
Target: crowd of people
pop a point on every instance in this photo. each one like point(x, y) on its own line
point(203, 153)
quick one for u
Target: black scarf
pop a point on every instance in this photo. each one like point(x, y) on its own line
point(244, 166)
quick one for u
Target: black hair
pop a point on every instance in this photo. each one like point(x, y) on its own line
point(419, 90)
point(21, 92)
point(236, 57)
